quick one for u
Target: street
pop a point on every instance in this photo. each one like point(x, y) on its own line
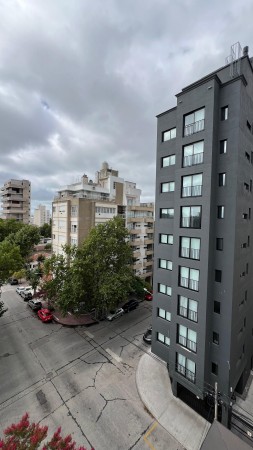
point(82, 379)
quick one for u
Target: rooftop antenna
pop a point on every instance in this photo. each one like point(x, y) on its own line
point(234, 59)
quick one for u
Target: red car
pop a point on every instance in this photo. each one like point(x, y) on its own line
point(148, 296)
point(45, 315)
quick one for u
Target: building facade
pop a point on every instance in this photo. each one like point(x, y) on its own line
point(203, 284)
point(80, 206)
point(16, 200)
point(41, 216)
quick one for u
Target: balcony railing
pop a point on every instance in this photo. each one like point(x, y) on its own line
point(192, 191)
point(188, 252)
point(188, 313)
point(191, 222)
point(186, 373)
point(194, 127)
point(193, 160)
point(191, 345)
point(189, 283)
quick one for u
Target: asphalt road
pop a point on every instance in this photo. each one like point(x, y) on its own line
point(82, 379)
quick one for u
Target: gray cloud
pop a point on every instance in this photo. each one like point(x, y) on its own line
point(81, 82)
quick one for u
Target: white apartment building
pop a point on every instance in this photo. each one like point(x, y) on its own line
point(80, 206)
point(41, 215)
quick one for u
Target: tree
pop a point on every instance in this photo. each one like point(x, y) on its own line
point(26, 238)
point(19, 274)
point(9, 226)
point(46, 230)
point(10, 259)
point(34, 276)
point(30, 436)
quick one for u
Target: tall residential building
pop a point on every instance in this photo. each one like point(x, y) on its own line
point(16, 200)
point(80, 206)
point(41, 215)
point(203, 283)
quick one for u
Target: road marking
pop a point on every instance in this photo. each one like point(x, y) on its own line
point(118, 358)
point(89, 334)
point(148, 433)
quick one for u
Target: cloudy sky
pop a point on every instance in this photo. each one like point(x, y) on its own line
point(81, 81)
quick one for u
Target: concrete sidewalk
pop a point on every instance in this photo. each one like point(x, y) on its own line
point(154, 388)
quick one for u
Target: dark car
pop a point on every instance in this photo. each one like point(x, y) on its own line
point(129, 306)
point(13, 281)
point(35, 304)
point(147, 337)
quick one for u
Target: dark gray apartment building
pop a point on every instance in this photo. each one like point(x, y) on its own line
point(203, 269)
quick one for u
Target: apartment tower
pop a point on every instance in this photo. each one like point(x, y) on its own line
point(203, 276)
point(16, 200)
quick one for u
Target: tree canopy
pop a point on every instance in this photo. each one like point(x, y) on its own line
point(25, 238)
point(10, 259)
point(46, 230)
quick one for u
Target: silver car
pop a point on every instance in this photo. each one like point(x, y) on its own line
point(114, 314)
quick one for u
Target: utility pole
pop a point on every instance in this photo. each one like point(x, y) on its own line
point(215, 400)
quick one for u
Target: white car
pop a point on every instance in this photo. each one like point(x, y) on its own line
point(19, 289)
point(114, 314)
point(26, 290)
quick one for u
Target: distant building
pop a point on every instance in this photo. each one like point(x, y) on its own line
point(80, 206)
point(41, 215)
point(16, 200)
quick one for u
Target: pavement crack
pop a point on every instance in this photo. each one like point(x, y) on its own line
point(136, 442)
point(106, 403)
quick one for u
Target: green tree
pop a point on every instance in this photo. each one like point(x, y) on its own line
point(9, 226)
point(46, 230)
point(58, 270)
point(34, 276)
point(10, 259)
point(19, 274)
point(26, 238)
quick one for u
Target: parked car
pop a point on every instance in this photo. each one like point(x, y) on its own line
point(27, 296)
point(19, 289)
point(26, 290)
point(45, 315)
point(114, 314)
point(129, 306)
point(147, 337)
point(35, 304)
point(148, 296)
point(13, 281)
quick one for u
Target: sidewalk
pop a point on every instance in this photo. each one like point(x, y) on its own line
point(154, 388)
point(71, 320)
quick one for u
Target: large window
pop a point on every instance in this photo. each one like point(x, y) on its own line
point(190, 217)
point(220, 212)
point(187, 338)
point(189, 278)
point(186, 367)
point(189, 247)
point(164, 289)
point(192, 185)
point(74, 210)
point(193, 154)
point(164, 314)
point(169, 134)
point(168, 186)
point(224, 113)
point(166, 239)
point(165, 264)
point(188, 308)
point(166, 213)
point(223, 146)
point(194, 122)
point(164, 339)
point(168, 161)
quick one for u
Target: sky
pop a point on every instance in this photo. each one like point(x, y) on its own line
point(81, 82)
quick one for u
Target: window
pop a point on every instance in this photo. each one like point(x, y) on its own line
point(168, 187)
point(189, 247)
point(244, 215)
point(223, 146)
point(186, 367)
point(247, 156)
point(189, 278)
point(219, 244)
point(54, 209)
point(190, 217)
point(193, 154)
point(215, 337)
point(218, 276)
point(246, 186)
point(214, 368)
point(222, 179)
point(220, 212)
point(164, 339)
point(165, 264)
point(224, 113)
point(169, 134)
point(73, 241)
point(73, 211)
point(166, 213)
point(168, 161)
point(216, 307)
point(73, 228)
point(248, 125)
point(188, 308)
point(194, 122)
point(192, 185)
point(164, 314)
point(164, 289)
point(166, 239)
point(187, 338)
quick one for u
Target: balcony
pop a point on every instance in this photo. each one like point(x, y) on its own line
point(135, 242)
point(148, 241)
point(194, 127)
point(192, 191)
point(186, 373)
point(182, 340)
point(148, 263)
point(140, 219)
point(193, 160)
